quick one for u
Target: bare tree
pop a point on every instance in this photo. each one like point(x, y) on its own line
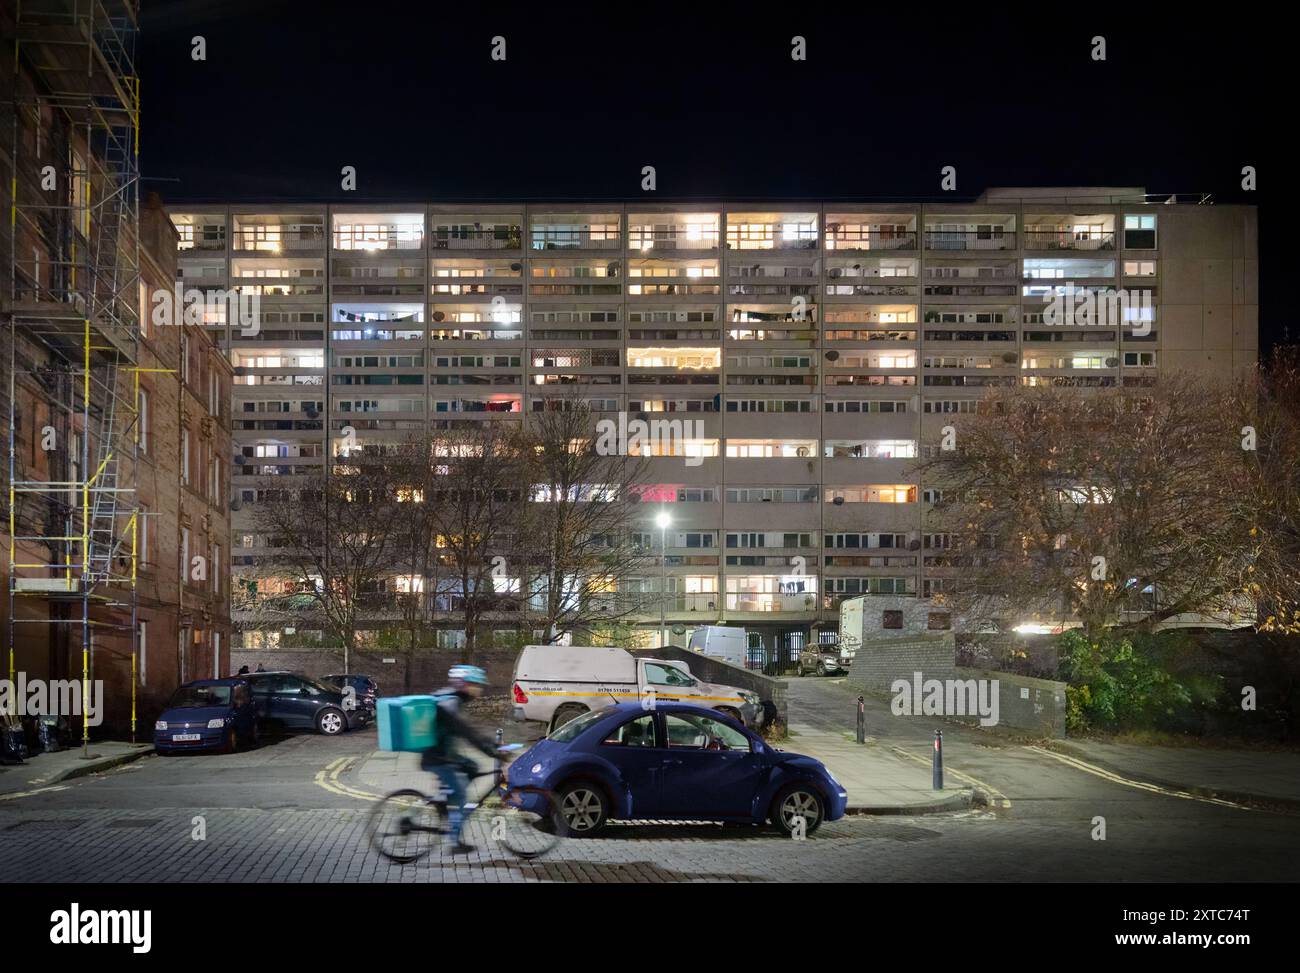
point(419, 566)
point(582, 507)
point(476, 489)
point(1266, 417)
point(1114, 506)
point(335, 540)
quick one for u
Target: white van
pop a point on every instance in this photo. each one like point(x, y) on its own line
point(721, 642)
point(555, 683)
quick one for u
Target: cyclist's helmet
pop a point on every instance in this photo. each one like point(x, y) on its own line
point(471, 674)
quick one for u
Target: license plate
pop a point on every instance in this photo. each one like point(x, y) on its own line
point(186, 737)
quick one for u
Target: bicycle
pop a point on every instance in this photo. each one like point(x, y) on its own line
point(407, 823)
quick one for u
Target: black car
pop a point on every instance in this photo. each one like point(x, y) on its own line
point(296, 701)
point(365, 688)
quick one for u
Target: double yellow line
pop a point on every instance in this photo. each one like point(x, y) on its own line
point(1114, 778)
point(329, 779)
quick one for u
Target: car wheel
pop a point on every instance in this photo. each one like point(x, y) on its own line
point(564, 714)
point(331, 722)
point(821, 668)
point(583, 808)
point(798, 801)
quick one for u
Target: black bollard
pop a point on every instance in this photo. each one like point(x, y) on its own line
point(938, 760)
point(862, 719)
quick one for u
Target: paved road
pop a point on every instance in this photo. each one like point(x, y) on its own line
point(294, 810)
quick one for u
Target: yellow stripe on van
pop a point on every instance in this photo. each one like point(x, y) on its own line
point(657, 695)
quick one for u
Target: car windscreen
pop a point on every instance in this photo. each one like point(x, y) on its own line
point(192, 697)
point(570, 730)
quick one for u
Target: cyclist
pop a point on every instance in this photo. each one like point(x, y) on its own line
point(452, 767)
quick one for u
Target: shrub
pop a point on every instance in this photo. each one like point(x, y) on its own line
point(1119, 681)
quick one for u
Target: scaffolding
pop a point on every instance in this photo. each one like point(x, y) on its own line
point(75, 302)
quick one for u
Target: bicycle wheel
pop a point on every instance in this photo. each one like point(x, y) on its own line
point(524, 820)
point(405, 826)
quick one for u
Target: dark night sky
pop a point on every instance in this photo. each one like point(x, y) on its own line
point(706, 93)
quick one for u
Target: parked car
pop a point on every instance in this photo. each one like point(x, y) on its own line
point(821, 659)
point(295, 701)
point(207, 714)
point(678, 761)
point(365, 688)
point(556, 683)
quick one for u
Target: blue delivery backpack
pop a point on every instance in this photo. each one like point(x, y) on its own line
point(407, 723)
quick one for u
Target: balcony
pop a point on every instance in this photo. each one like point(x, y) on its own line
point(272, 238)
point(772, 231)
point(858, 237)
point(378, 232)
point(483, 234)
point(585, 232)
point(983, 238)
point(1068, 238)
point(666, 232)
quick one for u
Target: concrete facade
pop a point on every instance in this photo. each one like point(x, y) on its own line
point(821, 347)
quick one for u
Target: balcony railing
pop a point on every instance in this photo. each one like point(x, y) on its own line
point(678, 238)
point(995, 239)
point(250, 240)
point(384, 238)
point(1067, 239)
point(506, 238)
point(848, 239)
point(564, 239)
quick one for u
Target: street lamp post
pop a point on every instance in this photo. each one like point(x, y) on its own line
point(663, 520)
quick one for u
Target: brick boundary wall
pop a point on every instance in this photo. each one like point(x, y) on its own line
point(1024, 703)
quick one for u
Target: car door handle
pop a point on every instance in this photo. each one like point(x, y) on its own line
point(671, 763)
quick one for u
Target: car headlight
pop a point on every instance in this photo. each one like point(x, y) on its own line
point(160, 725)
point(535, 769)
point(216, 724)
point(749, 697)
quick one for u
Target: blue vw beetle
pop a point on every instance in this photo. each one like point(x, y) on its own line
point(675, 762)
point(207, 714)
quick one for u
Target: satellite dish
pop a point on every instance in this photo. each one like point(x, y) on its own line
point(832, 355)
point(516, 267)
point(838, 501)
point(241, 370)
point(679, 629)
point(801, 452)
point(236, 503)
point(1009, 357)
point(835, 272)
point(914, 545)
point(439, 315)
point(1112, 362)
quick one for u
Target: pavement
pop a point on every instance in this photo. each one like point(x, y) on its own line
point(878, 780)
point(47, 769)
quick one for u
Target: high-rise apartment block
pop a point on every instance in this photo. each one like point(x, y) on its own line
point(820, 346)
